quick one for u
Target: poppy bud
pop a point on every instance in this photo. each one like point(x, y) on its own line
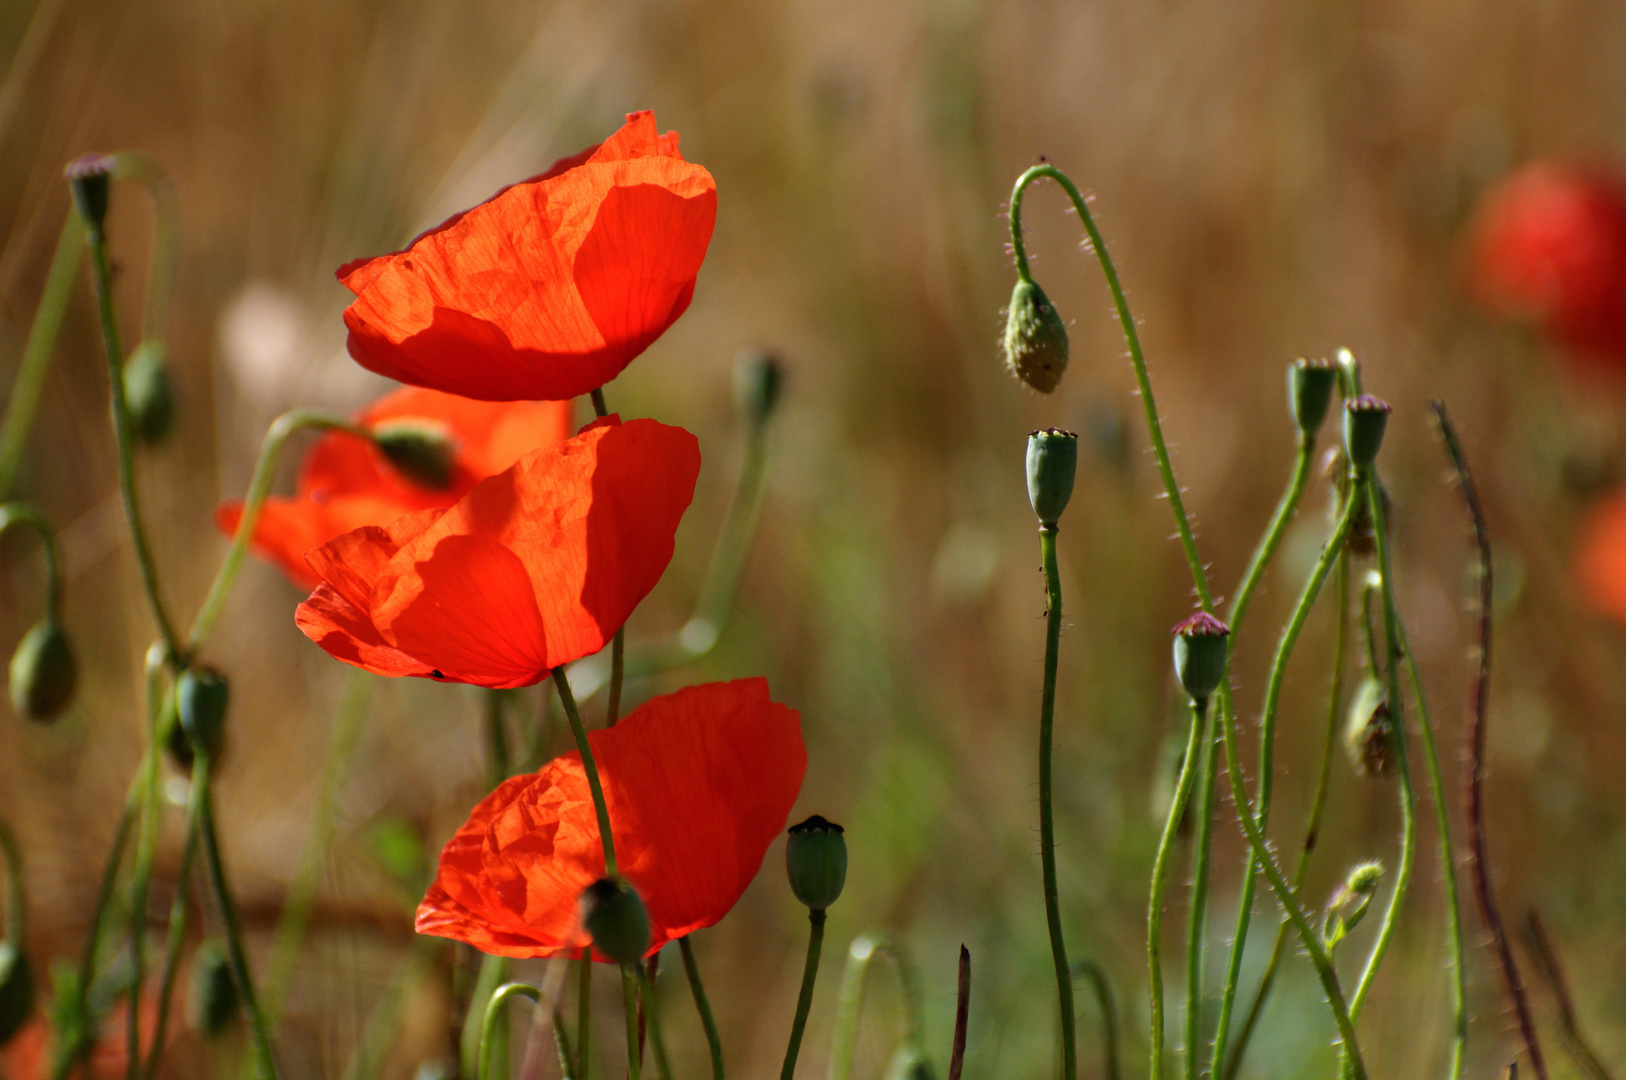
point(1052, 462)
point(909, 1064)
point(201, 697)
point(1348, 905)
point(421, 451)
point(16, 991)
point(1199, 654)
point(213, 1000)
point(816, 860)
point(1310, 384)
point(758, 380)
point(1035, 338)
point(1369, 732)
point(1365, 418)
point(147, 395)
point(615, 917)
point(88, 178)
point(43, 672)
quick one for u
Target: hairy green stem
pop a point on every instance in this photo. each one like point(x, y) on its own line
point(702, 1005)
point(1196, 916)
point(1047, 818)
point(568, 700)
point(1160, 870)
point(804, 1000)
point(29, 382)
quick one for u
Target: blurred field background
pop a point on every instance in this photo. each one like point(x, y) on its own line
point(1275, 179)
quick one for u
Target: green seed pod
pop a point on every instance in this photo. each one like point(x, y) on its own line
point(147, 394)
point(1199, 654)
point(43, 672)
point(614, 915)
point(16, 991)
point(420, 450)
point(816, 860)
point(758, 380)
point(88, 178)
point(1365, 418)
point(213, 1000)
point(1310, 384)
point(1052, 463)
point(201, 697)
point(1369, 732)
point(1035, 338)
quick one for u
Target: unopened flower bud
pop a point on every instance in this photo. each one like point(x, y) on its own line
point(147, 394)
point(1348, 905)
point(88, 178)
point(1035, 338)
point(201, 697)
point(422, 451)
point(43, 672)
point(1369, 732)
point(909, 1064)
point(16, 991)
point(1052, 463)
point(816, 860)
point(758, 380)
point(213, 1000)
point(614, 916)
point(1310, 384)
point(1365, 418)
point(1199, 654)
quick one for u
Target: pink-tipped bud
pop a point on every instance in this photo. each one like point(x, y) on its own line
point(1200, 644)
point(89, 177)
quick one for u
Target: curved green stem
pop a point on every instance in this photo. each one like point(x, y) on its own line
point(493, 973)
point(493, 1013)
point(36, 360)
point(1160, 870)
point(702, 1006)
point(804, 1000)
point(1196, 917)
point(136, 166)
point(850, 1004)
point(606, 837)
point(1126, 322)
point(1047, 818)
point(20, 513)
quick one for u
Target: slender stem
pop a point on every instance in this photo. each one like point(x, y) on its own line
point(496, 732)
point(1478, 847)
point(629, 1006)
point(600, 409)
point(172, 947)
point(201, 770)
point(1047, 820)
point(146, 849)
point(1109, 1015)
point(259, 487)
point(16, 895)
point(606, 837)
point(618, 672)
point(1196, 916)
point(133, 165)
point(20, 513)
point(101, 277)
point(804, 1000)
point(962, 1015)
point(1126, 322)
point(1274, 532)
point(36, 360)
point(653, 1012)
point(1547, 962)
point(1160, 870)
point(493, 973)
point(493, 1013)
point(851, 1001)
point(703, 1006)
point(567, 1054)
point(584, 1010)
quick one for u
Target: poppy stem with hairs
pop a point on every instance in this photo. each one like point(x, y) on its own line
point(573, 714)
point(703, 1006)
point(1160, 870)
point(804, 1000)
point(1047, 817)
point(1196, 918)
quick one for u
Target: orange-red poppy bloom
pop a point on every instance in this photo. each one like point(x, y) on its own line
point(1600, 558)
point(1549, 245)
point(345, 482)
point(28, 1055)
point(698, 784)
point(550, 287)
point(535, 567)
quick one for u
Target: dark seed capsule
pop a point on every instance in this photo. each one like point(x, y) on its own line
point(816, 860)
point(615, 917)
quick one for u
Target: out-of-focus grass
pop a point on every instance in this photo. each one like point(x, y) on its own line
point(1276, 180)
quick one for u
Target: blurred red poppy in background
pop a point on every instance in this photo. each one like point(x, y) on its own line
point(698, 784)
point(1549, 245)
point(535, 567)
point(28, 1055)
point(345, 481)
point(1600, 558)
point(550, 287)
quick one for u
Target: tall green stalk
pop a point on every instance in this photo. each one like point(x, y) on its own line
point(606, 837)
point(1160, 870)
point(1047, 815)
point(1196, 916)
point(804, 1000)
point(703, 1006)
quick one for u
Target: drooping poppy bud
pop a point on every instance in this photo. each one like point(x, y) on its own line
point(615, 917)
point(1369, 732)
point(1035, 338)
point(1365, 419)
point(213, 1000)
point(816, 860)
point(201, 697)
point(1199, 654)
point(88, 178)
point(1310, 384)
point(148, 397)
point(1052, 463)
point(43, 672)
point(758, 380)
point(422, 451)
point(1348, 905)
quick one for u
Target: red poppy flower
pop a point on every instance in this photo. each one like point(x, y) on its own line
point(1550, 246)
point(345, 483)
point(550, 287)
point(698, 784)
point(535, 567)
point(1600, 558)
point(28, 1055)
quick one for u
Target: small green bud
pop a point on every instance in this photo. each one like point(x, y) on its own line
point(1348, 905)
point(88, 178)
point(43, 672)
point(1035, 338)
point(213, 1000)
point(420, 450)
point(1310, 384)
point(201, 696)
point(147, 394)
point(1052, 463)
point(758, 380)
point(615, 918)
point(816, 860)
point(16, 991)
point(1369, 732)
point(1365, 418)
point(1199, 654)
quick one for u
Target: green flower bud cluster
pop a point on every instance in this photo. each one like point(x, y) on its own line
point(816, 860)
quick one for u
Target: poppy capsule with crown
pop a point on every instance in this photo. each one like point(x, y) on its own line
point(1310, 384)
point(1365, 419)
point(1199, 654)
point(1052, 463)
point(816, 860)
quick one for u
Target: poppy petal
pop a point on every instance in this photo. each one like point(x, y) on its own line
point(345, 633)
